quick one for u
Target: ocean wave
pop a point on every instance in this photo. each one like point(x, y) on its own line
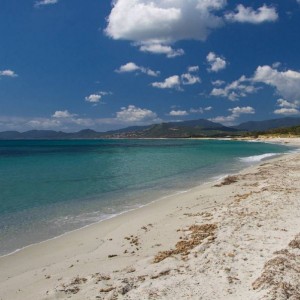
point(257, 158)
point(293, 151)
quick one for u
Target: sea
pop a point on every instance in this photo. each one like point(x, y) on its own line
point(49, 188)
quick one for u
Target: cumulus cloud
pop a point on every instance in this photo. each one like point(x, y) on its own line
point(43, 123)
point(96, 97)
point(45, 2)
point(133, 114)
point(93, 98)
point(244, 14)
point(235, 114)
point(172, 82)
point(156, 48)
point(189, 79)
point(215, 62)
point(218, 83)
point(60, 120)
point(178, 113)
point(8, 73)
point(132, 67)
point(62, 114)
point(286, 83)
point(64, 120)
point(286, 111)
point(285, 103)
point(200, 110)
point(193, 69)
point(237, 111)
point(235, 90)
point(196, 110)
point(276, 64)
point(154, 25)
point(287, 107)
point(181, 113)
point(176, 82)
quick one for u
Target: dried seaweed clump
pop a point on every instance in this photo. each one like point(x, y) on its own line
point(295, 243)
point(281, 275)
point(227, 181)
point(183, 247)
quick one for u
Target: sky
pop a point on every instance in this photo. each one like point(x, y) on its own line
point(100, 64)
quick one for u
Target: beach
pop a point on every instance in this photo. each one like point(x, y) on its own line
point(237, 238)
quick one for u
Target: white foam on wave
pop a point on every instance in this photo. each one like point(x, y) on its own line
point(105, 217)
point(257, 158)
point(293, 151)
point(219, 177)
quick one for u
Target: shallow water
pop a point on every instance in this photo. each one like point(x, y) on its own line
point(50, 187)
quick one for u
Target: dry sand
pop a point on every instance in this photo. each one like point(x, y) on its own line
point(235, 239)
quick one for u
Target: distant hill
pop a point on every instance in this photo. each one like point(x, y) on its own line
point(49, 135)
point(184, 129)
point(268, 124)
point(193, 128)
point(8, 135)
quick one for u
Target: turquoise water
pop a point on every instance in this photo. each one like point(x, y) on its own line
point(50, 187)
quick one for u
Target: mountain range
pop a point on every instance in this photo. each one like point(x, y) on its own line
point(184, 129)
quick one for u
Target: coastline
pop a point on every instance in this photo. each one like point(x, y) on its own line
point(125, 247)
point(245, 162)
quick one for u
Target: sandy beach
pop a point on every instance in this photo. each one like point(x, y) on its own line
point(238, 238)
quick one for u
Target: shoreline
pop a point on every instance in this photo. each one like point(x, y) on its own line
point(34, 272)
point(102, 220)
point(211, 180)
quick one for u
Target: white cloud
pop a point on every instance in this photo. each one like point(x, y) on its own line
point(177, 113)
point(196, 110)
point(218, 82)
point(129, 67)
point(172, 82)
point(66, 121)
point(287, 83)
point(193, 69)
point(276, 64)
point(62, 114)
point(200, 110)
point(216, 63)
point(249, 15)
point(286, 111)
point(44, 123)
point(189, 79)
point(175, 81)
point(235, 114)
point(156, 48)
point(96, 97)
point(152, 25)
point(45, 2)
point(93, 98)
point(132, 67)
point(237, 111)
point(287, 108)
point(285, 103)
point(8, 73)
point(133, 114)
point(235, 90)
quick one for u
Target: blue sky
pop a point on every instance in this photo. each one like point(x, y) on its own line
point(71, 64)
